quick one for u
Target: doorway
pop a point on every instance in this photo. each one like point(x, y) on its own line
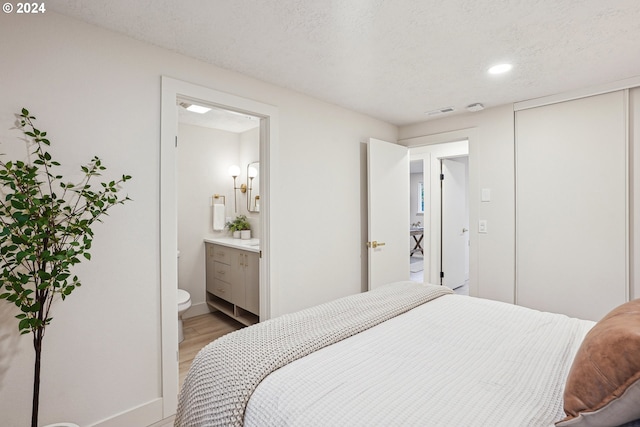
point(417, 205)
point(172, 90)
point(426, 193)
point(211, 140)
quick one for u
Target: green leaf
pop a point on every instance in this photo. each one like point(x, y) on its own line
point(46, 225)
point(44, 275)
point(35, 307)
point(24, 324)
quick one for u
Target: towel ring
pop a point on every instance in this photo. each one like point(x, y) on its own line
point(218, 196)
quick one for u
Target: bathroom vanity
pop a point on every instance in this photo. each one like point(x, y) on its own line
point(233, 277)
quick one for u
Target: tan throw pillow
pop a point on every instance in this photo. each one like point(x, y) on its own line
point(603, 387)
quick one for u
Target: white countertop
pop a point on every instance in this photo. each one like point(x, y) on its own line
point(252, 245)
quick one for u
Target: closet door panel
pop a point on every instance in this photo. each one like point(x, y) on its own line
point(634, 140)
point(571, 206)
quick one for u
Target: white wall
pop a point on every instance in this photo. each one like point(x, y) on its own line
point(491, 165)
point(98, 93)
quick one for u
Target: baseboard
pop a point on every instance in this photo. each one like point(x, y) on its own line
point(167, 422)
point(197, 310)
point(144, 415)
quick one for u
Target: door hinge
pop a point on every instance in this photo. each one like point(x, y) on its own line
point(442, 274)
point(441, 177)
point(176, 141)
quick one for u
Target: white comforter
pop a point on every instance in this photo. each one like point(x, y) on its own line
point(455, 361)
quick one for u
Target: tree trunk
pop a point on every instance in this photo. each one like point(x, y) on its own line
point(37, 346)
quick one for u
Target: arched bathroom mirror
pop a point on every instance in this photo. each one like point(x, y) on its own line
point(253, 187)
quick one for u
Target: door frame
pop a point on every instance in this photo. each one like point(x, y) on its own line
point(168, 274)
point(428, 147)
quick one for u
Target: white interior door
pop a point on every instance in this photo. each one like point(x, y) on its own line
point(455, 224)
point(388, 200)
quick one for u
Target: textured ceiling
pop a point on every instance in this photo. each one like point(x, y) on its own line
point(392, 59)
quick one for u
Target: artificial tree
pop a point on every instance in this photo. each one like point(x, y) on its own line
point(45, 229)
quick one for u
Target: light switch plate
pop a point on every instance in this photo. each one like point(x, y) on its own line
point(486, 195)
point(482, 226)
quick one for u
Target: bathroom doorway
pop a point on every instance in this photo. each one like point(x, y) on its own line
point(211, 140)
point(173, 92)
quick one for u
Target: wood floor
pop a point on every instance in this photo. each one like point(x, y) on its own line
point(200, 331)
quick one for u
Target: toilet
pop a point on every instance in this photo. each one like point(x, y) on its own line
point(184, 302)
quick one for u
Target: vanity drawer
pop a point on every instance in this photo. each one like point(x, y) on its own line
point(221, 254)
point(221, 289)
point(221, 271)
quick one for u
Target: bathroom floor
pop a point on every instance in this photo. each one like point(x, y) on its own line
point(200, 331)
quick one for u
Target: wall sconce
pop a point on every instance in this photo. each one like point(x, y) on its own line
point(253, 173)
point(234, 171)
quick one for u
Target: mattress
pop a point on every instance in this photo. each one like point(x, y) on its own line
point(454, 361)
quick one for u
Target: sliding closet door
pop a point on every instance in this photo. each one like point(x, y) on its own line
point(634, 141)
point(571, 206)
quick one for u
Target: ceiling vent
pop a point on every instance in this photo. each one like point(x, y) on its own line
point(475, 107)
point(441, 111)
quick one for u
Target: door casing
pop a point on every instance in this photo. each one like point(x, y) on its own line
point(431, 148)
point(171, 90)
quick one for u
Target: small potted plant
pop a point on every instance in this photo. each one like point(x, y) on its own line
point(240, 227)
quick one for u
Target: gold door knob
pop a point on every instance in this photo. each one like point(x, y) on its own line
point(375, 244)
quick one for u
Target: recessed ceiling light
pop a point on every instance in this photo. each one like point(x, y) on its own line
point(500, 68)
point(198, 109)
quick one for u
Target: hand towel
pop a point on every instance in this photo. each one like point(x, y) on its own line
point(218, 217)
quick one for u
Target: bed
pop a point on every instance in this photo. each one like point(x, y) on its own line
point(409, 354)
